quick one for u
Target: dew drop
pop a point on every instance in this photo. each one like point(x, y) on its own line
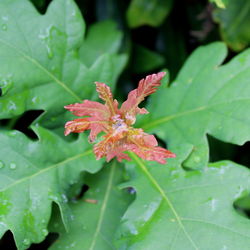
point(34, 99)
point(213, 204)
point(46, 38)
point(197, 159)
point(44, 232)
point(1, 164)
point(4, 27)
point(12, 165)
point(64, 198)
point(49, 51)
point(12, 133)
point(5, 18)
point(6, 84)
point(132, 229)
point(26, 242)
point(11, 106)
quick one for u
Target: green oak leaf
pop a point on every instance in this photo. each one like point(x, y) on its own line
point(94, 224)
point(33, 174)
point(206, 97)
point(220, 3)
point(234, 22)
point(40, 54)
point(102, 37)
point(177, 209)
point(148, 12)
point(145, 60)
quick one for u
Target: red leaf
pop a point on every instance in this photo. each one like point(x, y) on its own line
point(116, 124)
point(106, 95)
point(89, 108)
point(146, 87)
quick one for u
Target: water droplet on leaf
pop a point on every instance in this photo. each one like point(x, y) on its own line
point(11, 106)
point(26, 242)
point(4, 27)
point(5, 18)
point(44, 232)
point(1, 164)
point(46, 38)
point(6, 84)
point(34, 99)
point(197, 159)
point(12, 133)
point(12, 165)
point(65, 199)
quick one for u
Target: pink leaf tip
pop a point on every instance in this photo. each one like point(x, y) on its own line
point(116, 123)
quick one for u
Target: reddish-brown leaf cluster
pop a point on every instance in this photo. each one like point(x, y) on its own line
point(117, 123)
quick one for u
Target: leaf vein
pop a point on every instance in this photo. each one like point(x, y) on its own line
point(46, 169)
point(164, 196)
point(215, 224)
point(36, 63)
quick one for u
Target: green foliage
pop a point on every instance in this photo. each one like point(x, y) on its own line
point(204, 98)
point(234, 23)
point(33, 175)
point(112, 202)
point(150, 12)
point(47, 61)
point(185, 210)
point(145, 60)
point(220, 3)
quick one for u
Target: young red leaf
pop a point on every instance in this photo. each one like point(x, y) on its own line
point(116, 123)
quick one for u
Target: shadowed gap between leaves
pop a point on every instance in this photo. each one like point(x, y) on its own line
point(219, 150)
point(23, 122)
point(8, 240)
point(41, 5)
point(242, 206)
point(48, 241)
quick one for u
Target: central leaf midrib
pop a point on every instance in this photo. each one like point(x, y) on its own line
point(37, 64)
point(45, 169)
point(164, 196)
point(103, 207)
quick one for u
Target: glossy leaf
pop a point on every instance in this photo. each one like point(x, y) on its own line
point(47, 51)
point(206, 97)
point(96, 215)
point(234, 23)
point(34, 174)
point(145, 60)
point(102, 38)
point(185, 210)
point(148, 12)
point(220, 3)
